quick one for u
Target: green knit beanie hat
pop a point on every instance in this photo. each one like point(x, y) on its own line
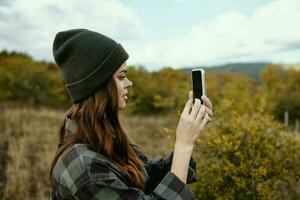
point(87, 60)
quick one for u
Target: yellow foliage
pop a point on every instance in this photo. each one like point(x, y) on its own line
point(247, 156)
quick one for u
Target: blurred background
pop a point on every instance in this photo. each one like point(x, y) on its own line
point(250, 51)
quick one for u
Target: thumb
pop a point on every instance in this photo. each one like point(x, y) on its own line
point(191, 95)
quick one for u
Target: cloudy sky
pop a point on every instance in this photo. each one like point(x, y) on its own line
point(175, 33)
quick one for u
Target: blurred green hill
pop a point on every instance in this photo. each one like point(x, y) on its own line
point(250, 69)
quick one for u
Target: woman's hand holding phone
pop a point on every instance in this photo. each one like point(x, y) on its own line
point(192, 121)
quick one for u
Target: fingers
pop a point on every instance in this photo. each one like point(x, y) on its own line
point(187, 108)
point(209, 112)
point(191, 95)
point(205, 120)
point(200, 114)
point(207, 102)
point(193, 109)
point(196, 108)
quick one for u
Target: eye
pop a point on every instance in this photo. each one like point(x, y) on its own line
point(122, 77)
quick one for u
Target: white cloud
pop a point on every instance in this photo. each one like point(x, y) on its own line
point(5, 3)
point(271, 28)
point(30, 26)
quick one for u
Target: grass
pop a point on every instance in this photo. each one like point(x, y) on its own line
point(29, 138)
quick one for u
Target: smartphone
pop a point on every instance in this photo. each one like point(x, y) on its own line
point(198, 83)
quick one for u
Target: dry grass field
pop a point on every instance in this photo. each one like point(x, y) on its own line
point(29, 140)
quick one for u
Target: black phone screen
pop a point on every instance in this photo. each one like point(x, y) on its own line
point(197, 84)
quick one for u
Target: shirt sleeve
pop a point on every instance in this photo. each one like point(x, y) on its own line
point(159, 167)
point(162, 166)
point(170, 188)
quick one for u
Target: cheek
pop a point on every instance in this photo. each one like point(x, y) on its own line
point(120, 87)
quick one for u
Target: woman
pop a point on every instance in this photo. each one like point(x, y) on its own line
point(95, 158)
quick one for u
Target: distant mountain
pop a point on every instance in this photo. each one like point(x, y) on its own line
point(250, 69)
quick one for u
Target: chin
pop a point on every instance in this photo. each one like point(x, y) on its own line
point(122, 106)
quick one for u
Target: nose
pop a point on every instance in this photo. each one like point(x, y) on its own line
point(129, 84)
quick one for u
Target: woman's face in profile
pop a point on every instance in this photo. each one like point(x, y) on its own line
point(123, 84)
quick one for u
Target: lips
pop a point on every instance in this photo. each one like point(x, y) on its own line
point(125, 96)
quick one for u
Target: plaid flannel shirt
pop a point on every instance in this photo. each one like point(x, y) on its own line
point(81, 173)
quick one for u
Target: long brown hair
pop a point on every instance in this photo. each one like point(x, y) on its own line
point(99, 127)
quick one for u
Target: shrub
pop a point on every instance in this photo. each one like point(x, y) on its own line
point(26, 81)
point(247, 156)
